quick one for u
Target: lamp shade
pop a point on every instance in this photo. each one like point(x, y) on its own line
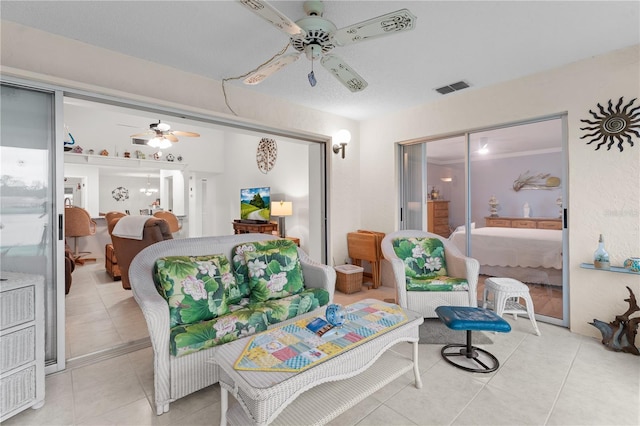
point(282, 208)
point(342, 136)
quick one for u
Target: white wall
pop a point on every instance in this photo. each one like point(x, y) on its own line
point(602, 185)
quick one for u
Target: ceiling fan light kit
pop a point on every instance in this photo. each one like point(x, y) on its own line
point(162, 137)
point(316, 37)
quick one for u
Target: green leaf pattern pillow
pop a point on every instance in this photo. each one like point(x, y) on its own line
point(422, 257)
point(236, 292)
point(274, 270)
point(194, 286)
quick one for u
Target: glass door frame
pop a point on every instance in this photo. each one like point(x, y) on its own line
point(60, 92)
point(402, 152)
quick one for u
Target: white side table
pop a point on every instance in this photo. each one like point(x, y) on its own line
point(506, 295)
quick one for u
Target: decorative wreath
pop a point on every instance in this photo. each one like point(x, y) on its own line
point(120, 193)
point(612, 125)
point(266, 154)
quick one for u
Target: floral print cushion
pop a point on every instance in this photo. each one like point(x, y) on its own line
point(443, 283)
point(240, 290)
point(254, 318)
point(422, 257)
point(274, 270)
point(194, 286)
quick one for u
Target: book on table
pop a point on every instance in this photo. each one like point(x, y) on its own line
point(321, 327)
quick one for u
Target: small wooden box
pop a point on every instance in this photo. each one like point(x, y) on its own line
point(349, 278)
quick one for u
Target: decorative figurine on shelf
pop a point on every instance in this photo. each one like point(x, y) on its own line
point(601, 256)
point(91, 152)
point(559, 204)
point(336, 315)
point(493, 203)
point(77, 149)
point(632, 264)
point(127, 154)
point(434, 193)
point(170, 158)
point(104, 153)
point(157, 155)
point(179, 157)
point(526, 210)
point(140, 155)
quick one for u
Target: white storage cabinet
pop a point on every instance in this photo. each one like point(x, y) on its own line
point(21, 342)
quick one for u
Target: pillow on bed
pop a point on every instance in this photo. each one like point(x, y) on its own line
point(461, 228)
point(422, 257)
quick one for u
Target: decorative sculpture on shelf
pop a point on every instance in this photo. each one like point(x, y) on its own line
point(620, 334)
point(493, 203)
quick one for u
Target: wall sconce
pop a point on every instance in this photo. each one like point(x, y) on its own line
point(343, 137)
point(281, 209)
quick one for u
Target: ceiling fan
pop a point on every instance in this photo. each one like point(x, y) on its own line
point(317, 37)
point(162, 135)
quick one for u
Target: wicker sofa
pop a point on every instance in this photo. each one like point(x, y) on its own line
point(176, 376)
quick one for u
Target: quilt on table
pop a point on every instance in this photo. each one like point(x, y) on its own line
point(294, 348)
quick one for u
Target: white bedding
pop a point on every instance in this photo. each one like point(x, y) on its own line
point(529, 248)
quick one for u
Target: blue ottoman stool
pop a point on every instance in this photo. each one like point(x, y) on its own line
point(469, 319)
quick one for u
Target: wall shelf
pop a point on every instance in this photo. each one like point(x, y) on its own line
point(101, 160)
point(612, 269)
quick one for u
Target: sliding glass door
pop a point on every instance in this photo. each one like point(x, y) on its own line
point(498, 195)
point(30, 228)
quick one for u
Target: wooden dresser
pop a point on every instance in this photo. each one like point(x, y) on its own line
point(524, 222)
point(438, 218)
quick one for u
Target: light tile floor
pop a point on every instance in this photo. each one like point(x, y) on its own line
point(558, 378)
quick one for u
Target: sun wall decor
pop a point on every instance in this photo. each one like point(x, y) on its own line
point(613, 124)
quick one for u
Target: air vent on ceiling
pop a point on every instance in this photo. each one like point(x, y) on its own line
point(452, 87)
point(136, 141)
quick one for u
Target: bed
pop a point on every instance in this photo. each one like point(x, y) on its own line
point(529, 255)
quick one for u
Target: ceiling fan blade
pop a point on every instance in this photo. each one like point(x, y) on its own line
point(274, 17)
point(147, 133)
point(170, 137)
point(189, 134)
point(344, 73)
point(271, 67)
point(391, 23)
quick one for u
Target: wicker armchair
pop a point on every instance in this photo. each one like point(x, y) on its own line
point(425, 302)
point(78, 223)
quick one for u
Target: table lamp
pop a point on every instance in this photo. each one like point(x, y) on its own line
point(281, 209)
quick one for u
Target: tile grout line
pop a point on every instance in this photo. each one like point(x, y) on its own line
point(485, 384)
point(562, 385)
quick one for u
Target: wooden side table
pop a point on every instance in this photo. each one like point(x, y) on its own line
point(259, 228)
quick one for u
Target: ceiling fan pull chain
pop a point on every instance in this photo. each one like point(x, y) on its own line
point(312, 77)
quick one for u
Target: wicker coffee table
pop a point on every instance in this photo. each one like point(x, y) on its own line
point(320, 393)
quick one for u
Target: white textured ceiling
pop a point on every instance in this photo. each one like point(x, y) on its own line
point(480, 42)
